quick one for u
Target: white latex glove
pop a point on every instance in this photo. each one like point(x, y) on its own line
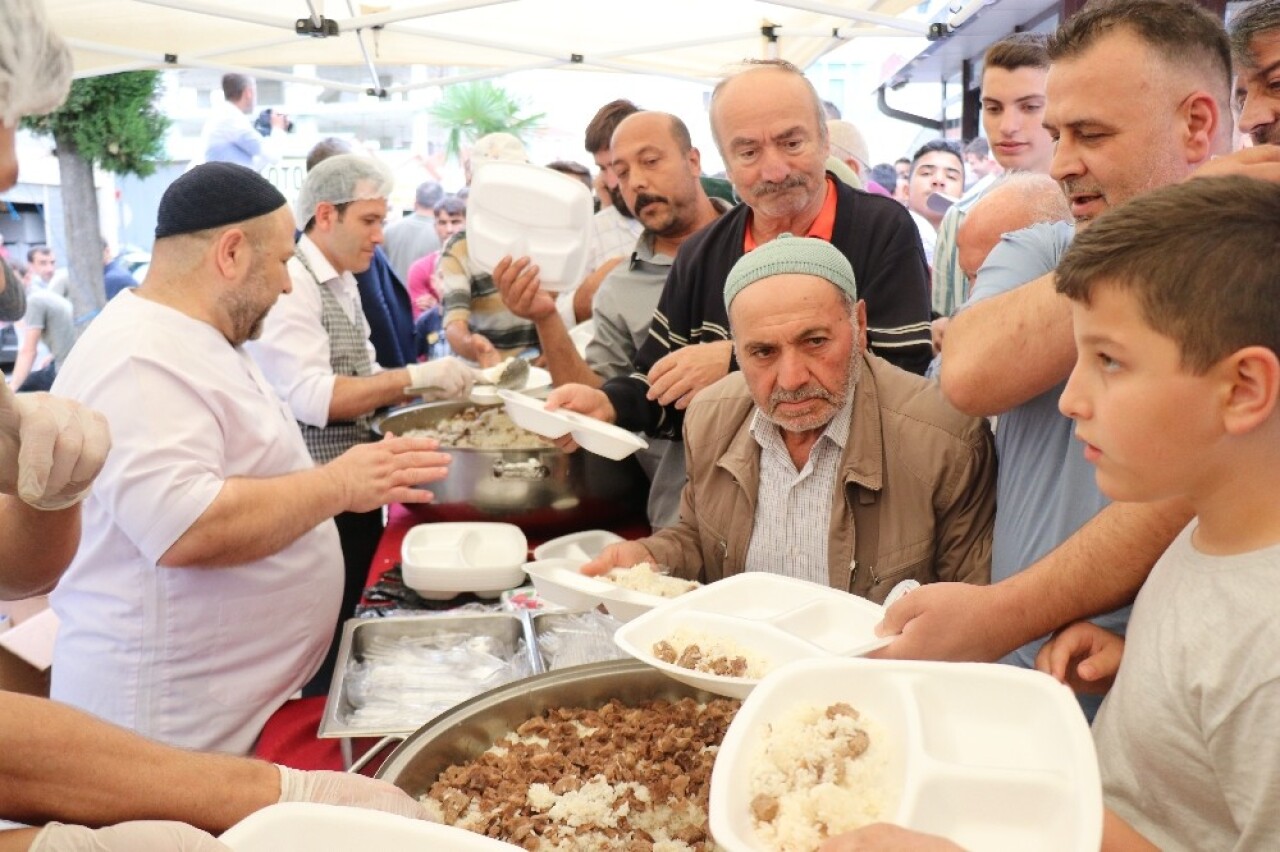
point(50, 448)
point(441, 378)
point(347, 788)
point(142, 836)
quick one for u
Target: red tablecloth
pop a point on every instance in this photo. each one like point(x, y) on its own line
point(290, 734)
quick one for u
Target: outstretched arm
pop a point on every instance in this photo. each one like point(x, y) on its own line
point(1098, 569)
point(1008, 349)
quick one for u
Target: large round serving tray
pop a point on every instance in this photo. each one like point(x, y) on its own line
point(469, 729)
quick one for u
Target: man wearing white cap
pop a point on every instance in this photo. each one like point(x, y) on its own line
point(315, 347)
point(476, 323)
point(819, 460)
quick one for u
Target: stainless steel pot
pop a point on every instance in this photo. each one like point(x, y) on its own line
point(468, 730)
point(544, 488)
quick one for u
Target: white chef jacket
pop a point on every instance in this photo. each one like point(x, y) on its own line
point(195, 657)
point(293, 350)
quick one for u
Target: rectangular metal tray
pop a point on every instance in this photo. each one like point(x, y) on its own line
point(545, 622)
point(358, 633)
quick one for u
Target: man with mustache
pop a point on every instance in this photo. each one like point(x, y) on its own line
point(210, 520)
point(1255, 43)
point(769, 125)
point(819, 460)
point(1108, 151)
point(658, 171)
point(1138, 95)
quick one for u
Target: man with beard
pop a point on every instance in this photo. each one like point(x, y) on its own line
point(1255, 44)
point(209, 574)
point(657, 169)
point(1137, 97)
point(769, 126)
point(818, 460)
point(315, 348)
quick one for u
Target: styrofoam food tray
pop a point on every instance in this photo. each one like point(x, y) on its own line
point(529, 413)
point(309, 827)
point(583, 546)
point(993, 757)
point(537, 379)
point(828, 621)
point(628, 604)
point(520, 209)
point(560, 581)
point(440, 560)
point(760, 640)
point(603, 439)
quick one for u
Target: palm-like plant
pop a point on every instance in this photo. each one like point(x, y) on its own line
point(472, 110)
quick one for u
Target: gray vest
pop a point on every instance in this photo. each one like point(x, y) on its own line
point(347, 357)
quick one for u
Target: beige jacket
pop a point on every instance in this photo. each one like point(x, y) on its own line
point(915, 472)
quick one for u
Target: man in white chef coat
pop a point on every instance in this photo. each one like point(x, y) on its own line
point(209, 575)
point(316, 352)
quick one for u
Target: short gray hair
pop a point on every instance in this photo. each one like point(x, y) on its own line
point(1261, 18)
point(749, 65)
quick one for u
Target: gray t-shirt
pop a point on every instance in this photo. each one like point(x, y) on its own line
point(54, 316)
point(622, 309)
point(1186, 739)
point(1045, 490)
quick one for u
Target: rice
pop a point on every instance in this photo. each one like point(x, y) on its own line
point(642, 578)
point(711, 654)
point(819, 771)
point(614, 778)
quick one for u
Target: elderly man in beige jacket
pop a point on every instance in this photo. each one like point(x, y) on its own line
point(818, 460)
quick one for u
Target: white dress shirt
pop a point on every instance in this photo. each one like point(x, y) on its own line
point(293, 350)
point(793, 507)
point(195, 657)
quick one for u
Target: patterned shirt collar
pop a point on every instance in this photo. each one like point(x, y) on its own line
point(769, 435)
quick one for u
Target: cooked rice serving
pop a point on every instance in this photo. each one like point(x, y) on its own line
point(616, 778)
point(711, 654)
point(819, 771)
point(642, 578)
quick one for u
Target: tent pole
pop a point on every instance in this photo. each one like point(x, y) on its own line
point(914, 27)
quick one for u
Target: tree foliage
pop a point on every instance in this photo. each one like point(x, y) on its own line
point(111, 121)
point(472, 110)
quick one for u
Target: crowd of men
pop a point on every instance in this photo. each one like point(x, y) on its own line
point(1107, 279)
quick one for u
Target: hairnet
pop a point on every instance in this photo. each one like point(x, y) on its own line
point(341, 179)
point(35, 64)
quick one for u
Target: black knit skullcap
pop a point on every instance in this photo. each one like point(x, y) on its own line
point(212, 195)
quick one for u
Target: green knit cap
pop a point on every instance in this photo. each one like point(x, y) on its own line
point(788, 254)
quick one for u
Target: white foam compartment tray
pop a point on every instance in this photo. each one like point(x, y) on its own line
point(993, 757)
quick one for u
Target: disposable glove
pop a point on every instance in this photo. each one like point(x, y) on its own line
point(441, 378)
point(346, 788)
point(50, 448)
point(141, 836)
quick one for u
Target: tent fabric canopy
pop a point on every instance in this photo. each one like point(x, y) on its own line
point(688, 39)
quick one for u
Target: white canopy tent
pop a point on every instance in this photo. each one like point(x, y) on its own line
point(687, 39)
